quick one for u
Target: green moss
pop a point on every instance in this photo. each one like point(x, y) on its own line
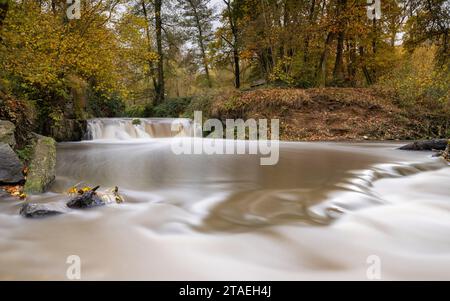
point(25, 152)
point(41, 171)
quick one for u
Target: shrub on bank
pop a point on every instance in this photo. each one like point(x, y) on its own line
point(420, 87)
point(104, 105)
point(201, 103)
point(171, 107)
point(418, 81)
point(135, 111)
point(180, 107)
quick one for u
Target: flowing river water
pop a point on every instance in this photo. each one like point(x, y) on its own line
point(323, 212)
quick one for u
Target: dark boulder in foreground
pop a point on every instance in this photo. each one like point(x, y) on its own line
point(10, 166)
point(84, 199)
point(426, 145)
point(88, 199)
point(31, 210)
point(7, 129)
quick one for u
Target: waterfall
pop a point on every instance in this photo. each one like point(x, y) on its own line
point(138, 128)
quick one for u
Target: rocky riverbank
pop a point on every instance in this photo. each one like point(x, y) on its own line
point(27, 170)
point(28, 158)
point(333, 114)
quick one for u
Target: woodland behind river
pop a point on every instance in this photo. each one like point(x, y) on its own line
point(168, 58)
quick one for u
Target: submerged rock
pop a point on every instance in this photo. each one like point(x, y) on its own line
point(32, 210)
point(7, 133)
point(10, 166)
point(426, 145)
point(88, 199)
point(41, 171)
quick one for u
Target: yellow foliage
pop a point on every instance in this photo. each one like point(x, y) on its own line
point(44, 50)
point(416, 79)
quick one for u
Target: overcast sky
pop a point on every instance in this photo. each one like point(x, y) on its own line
point(219, 5)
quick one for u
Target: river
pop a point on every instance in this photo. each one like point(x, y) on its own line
point(324, 212)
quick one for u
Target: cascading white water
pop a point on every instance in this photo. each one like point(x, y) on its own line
point(138, 128)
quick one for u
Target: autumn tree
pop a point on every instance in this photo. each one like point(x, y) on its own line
point(197, 17)
point(231, 35)
point(4, 4)
point(429, 21)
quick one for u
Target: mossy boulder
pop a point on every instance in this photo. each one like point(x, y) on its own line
point(7, 133)
point(41, 170)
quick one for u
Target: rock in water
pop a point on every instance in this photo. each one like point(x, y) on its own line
point(7, 133)
point(426, 145)
point(3, 194)
point(88, 199)
point(446, 153)
point(31, 210)
point(10, 166)
point(41, 171)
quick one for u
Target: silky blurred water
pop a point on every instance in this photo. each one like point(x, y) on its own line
point(317, 214)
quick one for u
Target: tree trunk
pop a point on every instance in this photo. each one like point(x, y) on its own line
point(149, 41)
point(201, 43)
point(375, 36)
point(307, 37)
point(338, 72)
point(4, 6)
point(234, 31)
point(237, 71)
point(322, 68)
point(205, 63)
point(364, 67)
point(352, 62)
point(53, 4)
point(160, 91)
